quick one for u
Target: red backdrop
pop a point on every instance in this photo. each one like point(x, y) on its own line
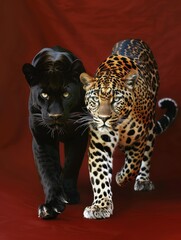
point(89, 29)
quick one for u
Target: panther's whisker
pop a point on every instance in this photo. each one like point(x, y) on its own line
point(87, 127)
point(83, 125)
point(82, 120)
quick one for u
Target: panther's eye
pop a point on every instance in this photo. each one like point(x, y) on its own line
point(66, 94)
point(44, 95)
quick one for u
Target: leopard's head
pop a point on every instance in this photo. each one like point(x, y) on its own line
point(110, 94)
point(55, 88)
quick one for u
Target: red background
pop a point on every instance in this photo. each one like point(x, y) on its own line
point(89, 29)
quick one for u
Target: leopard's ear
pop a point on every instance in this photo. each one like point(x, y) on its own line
point(87, 81)
point(130, 79)
point(30, 74)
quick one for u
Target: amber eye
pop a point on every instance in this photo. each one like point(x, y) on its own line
point(117, 99)
point(95, 99)
point(66, 94)
point(44, 96)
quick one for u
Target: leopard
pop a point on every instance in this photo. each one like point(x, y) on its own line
point(121, 107)
point(56, 99)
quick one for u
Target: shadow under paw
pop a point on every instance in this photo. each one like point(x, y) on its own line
point(144, 185)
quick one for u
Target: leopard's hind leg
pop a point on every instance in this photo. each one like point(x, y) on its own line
point(137, 164)
point(129, 171)
point(143, 182)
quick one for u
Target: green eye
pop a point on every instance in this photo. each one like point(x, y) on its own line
point(44, 96)
point(66, 94)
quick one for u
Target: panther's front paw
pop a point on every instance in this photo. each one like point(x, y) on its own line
point(144, 185)
point(50, 210)
point(98, 212)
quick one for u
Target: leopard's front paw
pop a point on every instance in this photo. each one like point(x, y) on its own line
point(51, 210)
point(97, 211)
point(146, 185)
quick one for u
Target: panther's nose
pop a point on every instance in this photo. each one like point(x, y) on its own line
point(55, 116)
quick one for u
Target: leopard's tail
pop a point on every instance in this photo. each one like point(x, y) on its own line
point(171, 111)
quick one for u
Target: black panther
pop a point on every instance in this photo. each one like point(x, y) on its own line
point(56, 102)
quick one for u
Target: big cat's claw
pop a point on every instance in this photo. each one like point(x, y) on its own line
point(50, 210)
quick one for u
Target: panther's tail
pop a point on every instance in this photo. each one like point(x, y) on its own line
point(171, 111)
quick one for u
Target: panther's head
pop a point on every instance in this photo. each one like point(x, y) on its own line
point(110, 94)
point(55, 87)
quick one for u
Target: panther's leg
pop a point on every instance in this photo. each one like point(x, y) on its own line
point(46, 156)
point(143, 182)
point(74, 153)
point(100, 170)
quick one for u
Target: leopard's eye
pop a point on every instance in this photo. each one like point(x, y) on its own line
point(44, 95)
point(95, 99)
point(66, 94)
point(117, 99)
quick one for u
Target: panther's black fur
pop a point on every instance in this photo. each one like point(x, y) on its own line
point(56, 99)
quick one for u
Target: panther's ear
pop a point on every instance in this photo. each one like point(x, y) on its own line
point(77, 68)
point(30, 74)
point(130, 79)
point(86, 80)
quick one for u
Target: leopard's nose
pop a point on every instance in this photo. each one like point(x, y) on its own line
point(104, 119)
point(55, 116)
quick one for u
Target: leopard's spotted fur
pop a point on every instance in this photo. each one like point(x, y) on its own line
point(121, 100)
